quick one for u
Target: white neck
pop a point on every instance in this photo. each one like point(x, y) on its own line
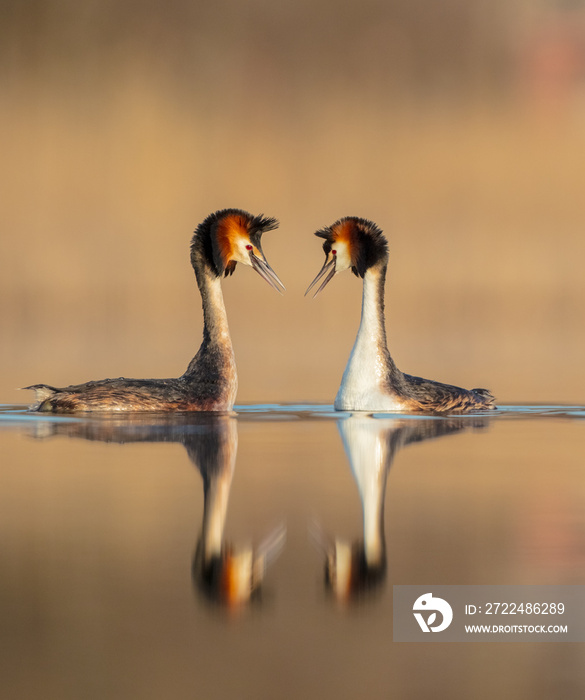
point(364, 382)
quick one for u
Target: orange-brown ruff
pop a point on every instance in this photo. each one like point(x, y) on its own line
point(210, 382)
point(371, 381)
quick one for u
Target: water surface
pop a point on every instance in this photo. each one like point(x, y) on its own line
point(196, 556)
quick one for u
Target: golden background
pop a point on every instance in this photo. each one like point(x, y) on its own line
point(459, 127)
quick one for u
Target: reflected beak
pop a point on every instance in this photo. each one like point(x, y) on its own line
point(327, 272)
point(267, 273)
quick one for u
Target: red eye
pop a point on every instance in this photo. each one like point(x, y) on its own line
point(249, 247)
point(334, 252)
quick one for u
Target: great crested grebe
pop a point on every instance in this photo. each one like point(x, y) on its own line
point(371, 381)
point(210, 382)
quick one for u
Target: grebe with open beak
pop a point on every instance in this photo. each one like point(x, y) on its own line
point(371, 381)
point(225, 238)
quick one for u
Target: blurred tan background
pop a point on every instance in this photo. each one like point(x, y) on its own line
point(459, 127)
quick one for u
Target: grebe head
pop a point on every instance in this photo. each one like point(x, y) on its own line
point(232, 236)
point(233, 577)
point(349, 573)
point(350, 243)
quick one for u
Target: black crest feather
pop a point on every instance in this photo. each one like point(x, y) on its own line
point(259, 225)
point(367, 242)
point(204, 241)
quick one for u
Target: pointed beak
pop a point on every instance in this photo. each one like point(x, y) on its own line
point(327, 272)
point(267, 273)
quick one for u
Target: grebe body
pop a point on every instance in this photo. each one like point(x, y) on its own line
point(371, 381)
point(210, 382)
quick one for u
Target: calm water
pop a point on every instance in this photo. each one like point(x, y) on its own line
point(198, 557)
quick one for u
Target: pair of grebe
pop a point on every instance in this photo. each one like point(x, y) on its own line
point(371, 381)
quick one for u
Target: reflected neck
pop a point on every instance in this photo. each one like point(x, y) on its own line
point(215, 503)
point(370, 456)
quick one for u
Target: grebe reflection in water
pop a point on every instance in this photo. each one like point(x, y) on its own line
point(226, 575)
point(371, 381)
point(353, 569)
point(210, 382)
